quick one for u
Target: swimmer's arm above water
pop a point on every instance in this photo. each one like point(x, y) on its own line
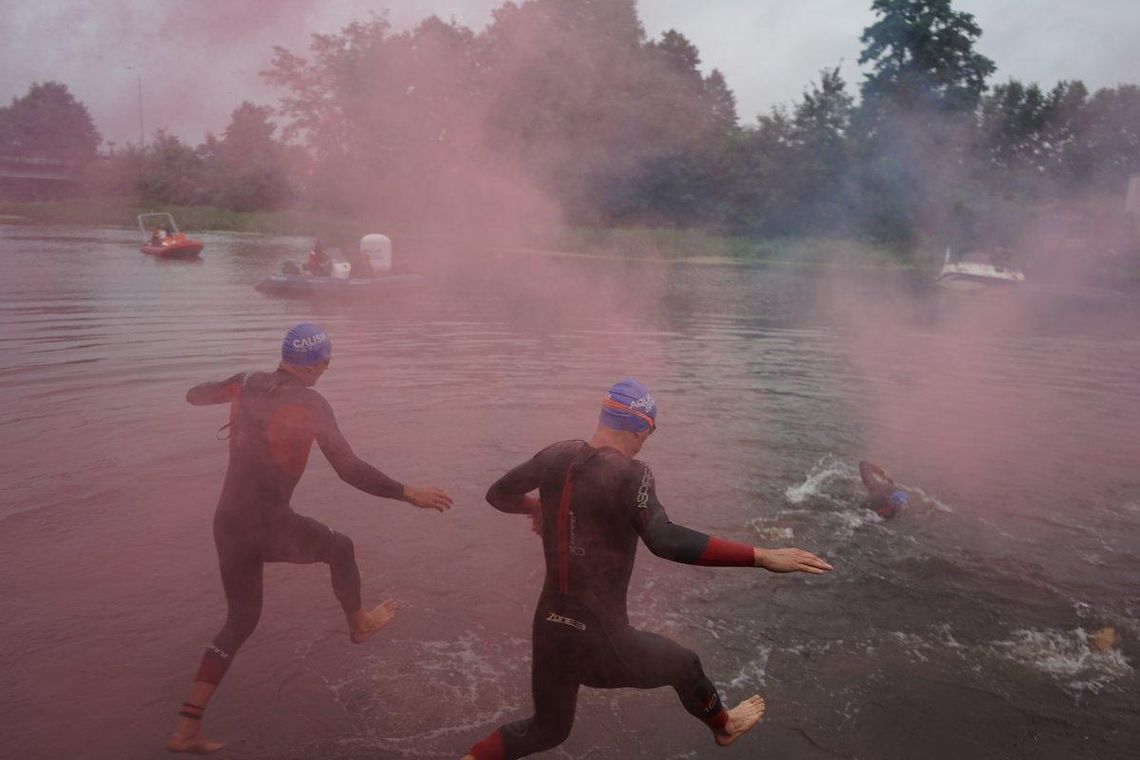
point(874, 477)
point(223, 392)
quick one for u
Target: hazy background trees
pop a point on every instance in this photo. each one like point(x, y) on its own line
point(48, 123)
point(566, 109)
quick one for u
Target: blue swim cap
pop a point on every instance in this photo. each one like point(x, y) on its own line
point(306, 345)
point(899, 498)
point(628, 406)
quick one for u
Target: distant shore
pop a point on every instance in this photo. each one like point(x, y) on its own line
point(689, 245)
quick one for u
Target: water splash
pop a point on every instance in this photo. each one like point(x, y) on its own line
point(831, 480)
point(1065, 656)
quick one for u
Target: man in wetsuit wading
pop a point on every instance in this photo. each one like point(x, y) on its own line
point(595, 501)
point(274, 419)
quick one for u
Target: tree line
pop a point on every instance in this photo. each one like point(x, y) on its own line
point(569, 101)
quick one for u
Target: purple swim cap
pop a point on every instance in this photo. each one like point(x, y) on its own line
point(628, 406)
point(306, 345)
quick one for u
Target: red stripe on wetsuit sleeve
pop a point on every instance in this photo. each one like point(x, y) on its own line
point(721, 553)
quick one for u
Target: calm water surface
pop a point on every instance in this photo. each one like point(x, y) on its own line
point(957, 630)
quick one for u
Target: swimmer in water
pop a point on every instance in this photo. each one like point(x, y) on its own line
point(274, 419)
point(595, 502)
point(884, 498)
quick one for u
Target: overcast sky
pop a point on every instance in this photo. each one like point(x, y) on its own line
point(769, 50)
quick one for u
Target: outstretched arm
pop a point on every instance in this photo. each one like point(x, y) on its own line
point(874, 477)
point(677, 543)
point(680, 544)
point(363, 476)
point(215, 393)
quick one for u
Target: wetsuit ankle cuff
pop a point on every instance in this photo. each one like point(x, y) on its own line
point(490, 748)
point(718, 721)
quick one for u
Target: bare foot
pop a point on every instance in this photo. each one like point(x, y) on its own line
point(364, 625)
point(741, 719)
point(192, 742)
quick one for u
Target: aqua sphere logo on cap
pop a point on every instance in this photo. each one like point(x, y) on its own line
point(645, 403)
point(628, 406)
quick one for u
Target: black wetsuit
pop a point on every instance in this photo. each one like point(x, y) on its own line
point(595, 505)
point(274, 420)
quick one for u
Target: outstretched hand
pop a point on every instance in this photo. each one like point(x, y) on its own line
point(790, 561)
point(428, 497)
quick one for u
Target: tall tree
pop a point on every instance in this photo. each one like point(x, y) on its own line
point(171, 172)
point(1114, 134)
point(914, 127)
point(386, 117)
point(821, 154)
point(246, 169)
point(721, 102)
point(922, 55)
point(48, 122)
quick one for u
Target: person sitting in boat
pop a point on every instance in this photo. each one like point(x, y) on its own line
point(157, 236)
point(319, 263)
point(884, 498)
point(361, 265)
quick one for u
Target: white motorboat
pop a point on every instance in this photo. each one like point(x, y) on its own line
point(972, 276)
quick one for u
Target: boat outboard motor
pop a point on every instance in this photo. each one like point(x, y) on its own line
point(378, 249)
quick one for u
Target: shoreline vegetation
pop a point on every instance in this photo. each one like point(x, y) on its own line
point(568, 107)
point(690, 246)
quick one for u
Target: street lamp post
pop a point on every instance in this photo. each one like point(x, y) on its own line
point(138, 76)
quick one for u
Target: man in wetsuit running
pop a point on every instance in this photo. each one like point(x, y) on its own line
point(595, 501)
point(274, 419)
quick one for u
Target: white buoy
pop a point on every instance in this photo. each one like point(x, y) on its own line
point(378, 249)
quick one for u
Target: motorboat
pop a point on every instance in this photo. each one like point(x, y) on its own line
point(375, 259)
point(163, 239)
point(974, 272)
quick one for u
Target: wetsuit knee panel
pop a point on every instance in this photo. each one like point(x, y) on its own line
point(341, 547)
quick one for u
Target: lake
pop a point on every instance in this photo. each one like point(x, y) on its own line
point(959, 629)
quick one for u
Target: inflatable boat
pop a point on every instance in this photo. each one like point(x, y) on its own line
point(162, 238)
point(333, 287)
point(375, 253)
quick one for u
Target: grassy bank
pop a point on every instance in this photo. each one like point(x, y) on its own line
point(119, 212)
point(699, 245)
point(626, 242)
